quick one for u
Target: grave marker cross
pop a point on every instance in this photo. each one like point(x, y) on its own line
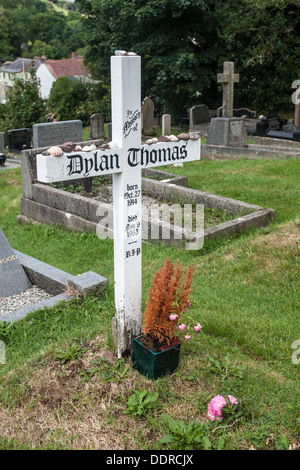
point(125, 162)
point(228, 78)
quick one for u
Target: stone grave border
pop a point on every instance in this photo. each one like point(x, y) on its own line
point(55, 282)
point(43, 203)
point(252, 151)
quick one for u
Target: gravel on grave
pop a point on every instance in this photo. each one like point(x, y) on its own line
point(24, 299)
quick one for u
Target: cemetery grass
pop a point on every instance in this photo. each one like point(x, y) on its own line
point(61, 388)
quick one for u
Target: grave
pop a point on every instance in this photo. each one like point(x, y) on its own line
point(56, 133)
point(276, 127)
point(199, 115)
point(55, 282)
point(13, 278)
point(2, 144)
point(51, 205)
point(97, 127)
point(147, 116)
point(19, 139)
point(296, 101)
point(166, 124)
point(125, 161)
point(227, 130)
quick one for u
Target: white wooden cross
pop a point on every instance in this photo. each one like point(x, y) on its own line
point(125, 163)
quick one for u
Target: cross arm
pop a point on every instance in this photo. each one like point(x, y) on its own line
point(76, 165)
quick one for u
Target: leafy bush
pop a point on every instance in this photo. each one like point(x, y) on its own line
point(24, 106)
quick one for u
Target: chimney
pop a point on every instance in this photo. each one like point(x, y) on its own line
point(43, 59)
point(74, 55)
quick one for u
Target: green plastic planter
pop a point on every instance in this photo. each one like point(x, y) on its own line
point(151, 364)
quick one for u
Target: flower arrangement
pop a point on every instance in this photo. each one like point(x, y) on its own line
point(167, 303)
point(219, 403)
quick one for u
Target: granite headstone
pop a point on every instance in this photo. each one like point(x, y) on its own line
point(147, 116)
point(56, 133)
point(166, 124)
point(2, 145)
point(19, 139)
point(13, 278)
point(199, 114)
point(97, 126)
point(230, 132)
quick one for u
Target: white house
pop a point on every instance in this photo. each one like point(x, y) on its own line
point(9, 71)
point(50, 70)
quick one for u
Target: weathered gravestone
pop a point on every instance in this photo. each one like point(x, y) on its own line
point(109, 130)
point(56, 133)
point(147, 116)
point(97, 126)
point(296, 101)
point(19, 139)
point(2, 145)
point(199, 114)
point(13, 278)
point(228, 78)
point(125, 161)
point(227, 130)
point(166, 124)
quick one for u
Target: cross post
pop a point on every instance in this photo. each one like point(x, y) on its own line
point(297, 108)
point(124, 159)
point(228, 78)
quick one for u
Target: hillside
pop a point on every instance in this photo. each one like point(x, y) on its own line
point(62, 6)
point(30, 28)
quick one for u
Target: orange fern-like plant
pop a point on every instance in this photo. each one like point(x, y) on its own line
point(168, 295)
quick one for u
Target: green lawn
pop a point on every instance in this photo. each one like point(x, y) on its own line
point(245, 295)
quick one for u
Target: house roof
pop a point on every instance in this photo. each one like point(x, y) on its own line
point(67, 67)
point(19, 65)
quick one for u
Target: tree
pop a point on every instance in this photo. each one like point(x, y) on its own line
point(263, 38)
point(23, 22)
point(69, 100)
point(175, 38)
point(24, 106)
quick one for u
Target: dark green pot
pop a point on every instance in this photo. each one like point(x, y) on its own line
point(154, 364)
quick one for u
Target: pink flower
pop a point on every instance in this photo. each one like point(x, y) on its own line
point(197, 327)
point(216, 405)
point(181, 327)
point(233, 400)
point(173, 317)
point(187, 337)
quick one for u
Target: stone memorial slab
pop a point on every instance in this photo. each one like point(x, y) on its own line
point(166, 124)
point(147, 116)
point(227, 131)
point(13, 278)
point(2, 146)
point(296, 101)
point(56, 133)
point(97, 126)
point(19, 139)
point(199, 114)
